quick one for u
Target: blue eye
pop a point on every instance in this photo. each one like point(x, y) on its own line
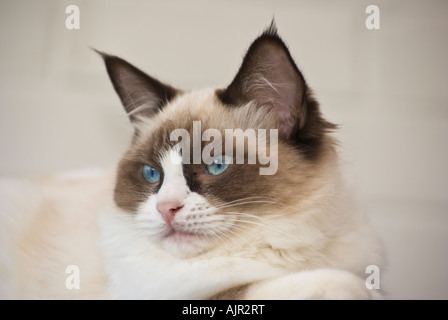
point(150, 174)
point(218, 166)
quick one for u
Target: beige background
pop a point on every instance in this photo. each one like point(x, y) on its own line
point(387, 89)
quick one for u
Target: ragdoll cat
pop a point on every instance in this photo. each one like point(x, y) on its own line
point(164, 227)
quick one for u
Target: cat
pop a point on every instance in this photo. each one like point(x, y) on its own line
point(157, 227)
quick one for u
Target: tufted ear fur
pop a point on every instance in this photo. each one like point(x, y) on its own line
point(269, 77)
point(140, 94)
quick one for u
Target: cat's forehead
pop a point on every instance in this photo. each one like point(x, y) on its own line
point(203, 110)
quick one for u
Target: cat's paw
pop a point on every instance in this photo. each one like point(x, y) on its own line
point(328, 284)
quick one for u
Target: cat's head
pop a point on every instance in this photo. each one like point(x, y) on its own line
point(189, 204)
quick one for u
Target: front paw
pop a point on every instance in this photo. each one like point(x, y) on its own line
point(328, 284)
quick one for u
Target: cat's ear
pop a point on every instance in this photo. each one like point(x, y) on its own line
point(269, 77)
point(141, 95)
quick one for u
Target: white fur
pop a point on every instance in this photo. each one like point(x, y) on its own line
point(45, 228)
point(314, 284)
point(12, 226)
point(196, 216)
point(174, 186)
point(140, 269)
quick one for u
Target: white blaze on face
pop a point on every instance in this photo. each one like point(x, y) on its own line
point(174, 187)
point(189, 228)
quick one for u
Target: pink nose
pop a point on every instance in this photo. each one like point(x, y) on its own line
point(168, 209)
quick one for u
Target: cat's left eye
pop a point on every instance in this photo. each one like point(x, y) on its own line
point(218, 166)
point(150, 174)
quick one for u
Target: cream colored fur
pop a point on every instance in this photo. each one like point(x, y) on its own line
point(59, 221)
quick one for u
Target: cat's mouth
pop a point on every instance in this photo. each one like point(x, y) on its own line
point(182, 237)
point(185, 244)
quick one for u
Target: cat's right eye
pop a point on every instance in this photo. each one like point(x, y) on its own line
point(218, 166)
point(150, 174)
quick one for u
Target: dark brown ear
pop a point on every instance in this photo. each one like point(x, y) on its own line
point(269, 77)
point(140, 94)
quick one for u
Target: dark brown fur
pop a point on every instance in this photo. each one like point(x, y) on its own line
point(309, 128)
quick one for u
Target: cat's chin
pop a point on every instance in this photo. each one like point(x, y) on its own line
point(184, 244)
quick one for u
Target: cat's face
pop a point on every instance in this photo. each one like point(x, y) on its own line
point(189, 207)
